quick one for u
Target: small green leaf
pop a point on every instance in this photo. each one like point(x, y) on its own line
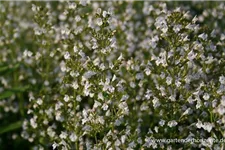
point(7, 69)
point(6, 94)
point(18, 89)
point(11, 127)
point(3, 69)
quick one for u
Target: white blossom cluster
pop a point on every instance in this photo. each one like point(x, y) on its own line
point(106, 78)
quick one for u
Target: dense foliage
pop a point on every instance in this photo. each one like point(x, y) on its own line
point(112, 75)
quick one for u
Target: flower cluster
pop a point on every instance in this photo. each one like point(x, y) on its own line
point(103, 78)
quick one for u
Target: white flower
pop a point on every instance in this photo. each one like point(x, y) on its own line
point(72, 5)
point(75, 85)
point(34, 8)
point(105, 106)
point(59, 117)
point(104, 13)
point(75, 49)
point(97, 104)
point(63, 135)
point(221, 110)
point(27, 53)
point(206, 96)
point(77, 18)
point(39, 101)
point(33, 123)
point(88, 74)
point(203, 36)
point(147, 71)
point(207, 126)
point(66, 98)
point(139, 76)
point(222, 79)
point(120, 57)
point(177, 28)
point(84, 2)
point(191, 55)
point(155, 102)
point(99, 21)
point(172, 123)
point(117, 143)
point(73, 137)
point(78, 98)
point(161, 24)
point(67, 55)
point(161, 122)
point(195, 19)
point(55, 145)
point(132, 84)
point(199, 124)
point(168, 80)
point(223, 101)
point(114, 78)
point(50, 132)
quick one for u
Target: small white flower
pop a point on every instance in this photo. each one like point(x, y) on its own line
point(84, 2)
point(88, 74)
point(39, 101)
point(172, 123)
point(72, 5)
point(75, 85)
point(55, 145)
point(73, 137)
point(169, 80)
point(99, 21)
point(191, 55)
point(27, 53)
point(199, 124)
point(114, 78)
point(206, 96)
point(161, 122)
point(105, 106)
point(75, 49)
point(104, 13)
point(222, 79)
point(77, 18)
point(156, 102)
point(221, 110)
point(147, 71)
point(117, 143)
point(66, 98)
point(139, 76)
point(33, 123)
point(97, 104)
point(67, 55)
point(78, 98)
point(177, 28)
point(223, 101)
point(207, 126)
point(34, 8)
point(203, 36)
point(120, 57)
point(195, 19)
point(63, 135)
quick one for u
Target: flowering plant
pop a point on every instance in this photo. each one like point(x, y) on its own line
point(86, 75)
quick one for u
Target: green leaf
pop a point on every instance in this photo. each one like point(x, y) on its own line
point(11, 127)
point(7, 69)
point(6, 94)
point(19, 89)
point(3, 68)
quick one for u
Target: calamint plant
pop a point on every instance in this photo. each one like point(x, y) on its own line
point(112, 75)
